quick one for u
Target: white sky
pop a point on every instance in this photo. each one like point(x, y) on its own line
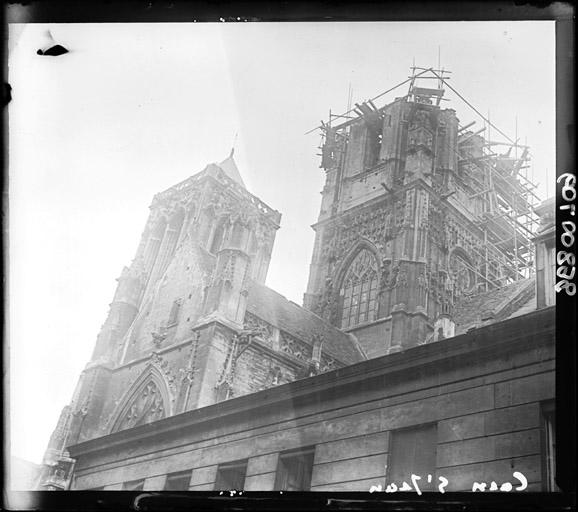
point(134, 109)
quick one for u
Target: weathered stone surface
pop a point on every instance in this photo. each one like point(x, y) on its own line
point(202, 487)
point(204, 475)
point(352, 447)
point(155, 483)
point(358, 468)
point(528, 389)
point(111, 487)
point(263, 464)
point(488, 423)
point(515, 444)
point(461, 478)
point(353, 486)
point(262, 482)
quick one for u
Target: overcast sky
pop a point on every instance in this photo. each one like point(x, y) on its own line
point(134, 109)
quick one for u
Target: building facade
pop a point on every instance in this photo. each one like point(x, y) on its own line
point(419, 349)
point(413, 207)
point(473, 408)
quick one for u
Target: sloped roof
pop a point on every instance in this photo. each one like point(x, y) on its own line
point(230, 168)
point(494, 305)
point(530, 305)
point(287, 316)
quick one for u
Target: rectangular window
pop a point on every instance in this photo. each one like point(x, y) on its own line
point(133, 485)
point(231, 476)
point(178, 481)
point(413, 451)
point(294, 470)
point(549, 447)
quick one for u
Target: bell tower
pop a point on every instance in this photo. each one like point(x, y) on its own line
point(417, 213)
point(183, 297)
point(205, 239)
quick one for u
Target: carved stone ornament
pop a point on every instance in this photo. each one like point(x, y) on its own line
point(310, 370)
point(461, 272)
point(295, 347)
point(261, 234)
point(158, 338)
point(223, 391)
point(224, 385)
point(220, 204)
point(402, 279)
point(59, 474)
point(163, 366)
point(187, 374)
point(262, 330)
point(273, 377)
point(377, 226)
point(146, 407)
point(385, 273)
point(392, 279)
point(83, 409)
point(327, 364)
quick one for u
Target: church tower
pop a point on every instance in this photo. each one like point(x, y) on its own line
point(417, 213)
point(206, 241)
point(192, 322)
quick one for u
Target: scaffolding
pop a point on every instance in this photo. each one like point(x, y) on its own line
point(492, 167)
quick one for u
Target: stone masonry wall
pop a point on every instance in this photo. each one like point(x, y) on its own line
point(484, 396)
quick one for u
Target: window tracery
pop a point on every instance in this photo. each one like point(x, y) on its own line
point(359, 290)
point(264, 329)
point(146, 407)
point(295, 347)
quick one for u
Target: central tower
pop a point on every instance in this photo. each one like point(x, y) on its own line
point(416, 215)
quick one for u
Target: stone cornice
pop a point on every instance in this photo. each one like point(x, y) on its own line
point(207, 175)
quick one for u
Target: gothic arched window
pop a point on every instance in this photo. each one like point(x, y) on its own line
point(145, 402)
point(359, 290)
